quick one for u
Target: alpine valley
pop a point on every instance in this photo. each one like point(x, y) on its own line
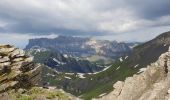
point(100, 77)
point(87, 69)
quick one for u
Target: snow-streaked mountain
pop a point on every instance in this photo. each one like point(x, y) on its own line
point(81, 47)
point(62, 62)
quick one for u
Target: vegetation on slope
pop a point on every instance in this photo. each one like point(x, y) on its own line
point(37, 93)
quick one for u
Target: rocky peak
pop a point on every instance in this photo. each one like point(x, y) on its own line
point(152, 84)
point(17, 69)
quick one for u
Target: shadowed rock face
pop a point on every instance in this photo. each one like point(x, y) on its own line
point(152, 84)
point(17, 69)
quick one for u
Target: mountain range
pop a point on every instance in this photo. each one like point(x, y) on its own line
point(73, 73)
point(75, 54)
point(96, 84)
point(81, 47)
point(62, 63)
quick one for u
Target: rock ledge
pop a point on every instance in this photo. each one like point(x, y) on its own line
point(17, 69)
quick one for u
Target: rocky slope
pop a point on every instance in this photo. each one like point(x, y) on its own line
point(126, 66)
point(150, 51)
point(62, 63)
point(152, 84)
point(18, 75)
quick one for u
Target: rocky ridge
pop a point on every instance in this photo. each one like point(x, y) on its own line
point(152, 84)
point(17, 69)
point(19, 78)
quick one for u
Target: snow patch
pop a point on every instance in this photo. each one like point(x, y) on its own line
point(120, 59)
point(48, 74)
point(126, 57)
point(101, 70)
point(59, 62)
point(81, 75)
point(102, 94)
point(141, 70)
point(165, 45)
point(118, 68)
point(65, 55)
point(67, 77)
point(136, 66)
point(69, 73)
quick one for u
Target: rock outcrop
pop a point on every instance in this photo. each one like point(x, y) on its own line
point(17, 69)
point(19, 77)
point(152, 84)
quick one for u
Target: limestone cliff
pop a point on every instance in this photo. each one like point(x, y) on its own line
point(17, 69)
point(19, 77)
point(152, 84)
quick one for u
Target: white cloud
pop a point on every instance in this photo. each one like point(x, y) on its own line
point(123, 19)
point(86, 15)
point(20, 40)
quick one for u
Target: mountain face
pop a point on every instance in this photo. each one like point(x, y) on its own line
point(17, 69)
point(81, 47)
point(62, 63)
point(72, 54)
point(150, 51)
point(19, 76)
point(152, 84)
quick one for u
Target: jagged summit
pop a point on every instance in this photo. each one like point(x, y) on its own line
point(17, 69)
point(152, 84)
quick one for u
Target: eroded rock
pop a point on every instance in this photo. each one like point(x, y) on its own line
point(152, 84)
point(17, 69)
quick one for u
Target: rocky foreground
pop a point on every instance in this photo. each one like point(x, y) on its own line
point(152, 84)
point(18, 75)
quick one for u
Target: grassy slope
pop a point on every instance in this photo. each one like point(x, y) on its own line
point(36, 92)
point(102, 82)
point(142, 56)
point(112, 75)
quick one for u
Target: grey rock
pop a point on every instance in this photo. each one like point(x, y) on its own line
point(17, 69)
point(4, 59)
point(4, 96)
point(152, 84)
point(17, 53)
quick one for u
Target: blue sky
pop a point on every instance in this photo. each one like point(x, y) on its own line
point(122, 20)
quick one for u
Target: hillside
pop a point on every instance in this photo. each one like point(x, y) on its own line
point(152, 84)
point(62, 63)
point(142, 55)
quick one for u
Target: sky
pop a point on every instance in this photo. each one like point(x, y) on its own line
point(121, 20)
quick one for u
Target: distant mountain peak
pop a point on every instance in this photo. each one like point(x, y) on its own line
point(78, 46)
